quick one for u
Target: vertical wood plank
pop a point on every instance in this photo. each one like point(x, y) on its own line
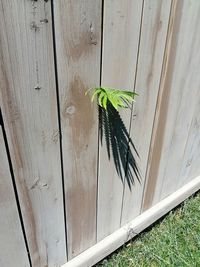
point(121, 32)
point(175, 110)
point(190, 167)
point(12, 245)
point(29, 107)
point(151, 52)
point(78, 42)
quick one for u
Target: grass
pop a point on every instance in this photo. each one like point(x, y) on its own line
point(173, 241)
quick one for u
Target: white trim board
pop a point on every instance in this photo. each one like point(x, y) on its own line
point(109, 244)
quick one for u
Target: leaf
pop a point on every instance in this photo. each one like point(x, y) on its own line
point(127, 97)
point(114, 102)
point(88, 91)
point(117, 97)
point(105, 101)
point(126, 103)
point(101, 95)
point(95, 93)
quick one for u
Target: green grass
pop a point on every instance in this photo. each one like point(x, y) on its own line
point(173, 241)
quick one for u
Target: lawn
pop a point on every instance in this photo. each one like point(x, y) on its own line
point(173, 241)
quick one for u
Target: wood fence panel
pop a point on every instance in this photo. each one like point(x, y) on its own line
point(151, 52)
point(78, 42)
point(121, 30)
point(12, 245)
point(66, 192)
point(29, 107)
point(178, 100)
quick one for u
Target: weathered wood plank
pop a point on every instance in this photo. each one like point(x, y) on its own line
point(177, 105)
point(78, 42)
point(190, 162)
point(12, 245)
point(151, 52)
point(121, 30)
point(29, 107)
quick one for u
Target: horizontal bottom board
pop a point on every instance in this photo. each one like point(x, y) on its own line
point(112, 242)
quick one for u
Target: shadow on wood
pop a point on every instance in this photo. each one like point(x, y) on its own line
point(119, 144)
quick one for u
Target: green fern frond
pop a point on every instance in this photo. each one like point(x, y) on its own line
point(118, 98)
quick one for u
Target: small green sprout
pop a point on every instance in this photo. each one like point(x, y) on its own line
point(118, 98)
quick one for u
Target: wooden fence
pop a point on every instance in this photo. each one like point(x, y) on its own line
point(60, 196)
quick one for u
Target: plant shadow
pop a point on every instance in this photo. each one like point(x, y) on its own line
point(119, 144)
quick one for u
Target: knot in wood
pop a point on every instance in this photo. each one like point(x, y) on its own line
point(70, 110)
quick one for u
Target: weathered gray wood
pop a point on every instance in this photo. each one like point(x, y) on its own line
point(160, 61)
point(12, 244)
point(151, 52)
point(178, 98)
point(120, 46)
point(28, 101)
point(190, 166)
point(78, 42)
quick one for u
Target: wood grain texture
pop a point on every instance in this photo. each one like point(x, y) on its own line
point(12, 245)
point(175, 112)
point(190, 166)
point(29, 107)
point(121, 29)
point(78, 42)
point(151, 52)
point(150, 46)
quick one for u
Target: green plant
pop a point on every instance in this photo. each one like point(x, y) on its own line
point(118, 98)
point(117, 139)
